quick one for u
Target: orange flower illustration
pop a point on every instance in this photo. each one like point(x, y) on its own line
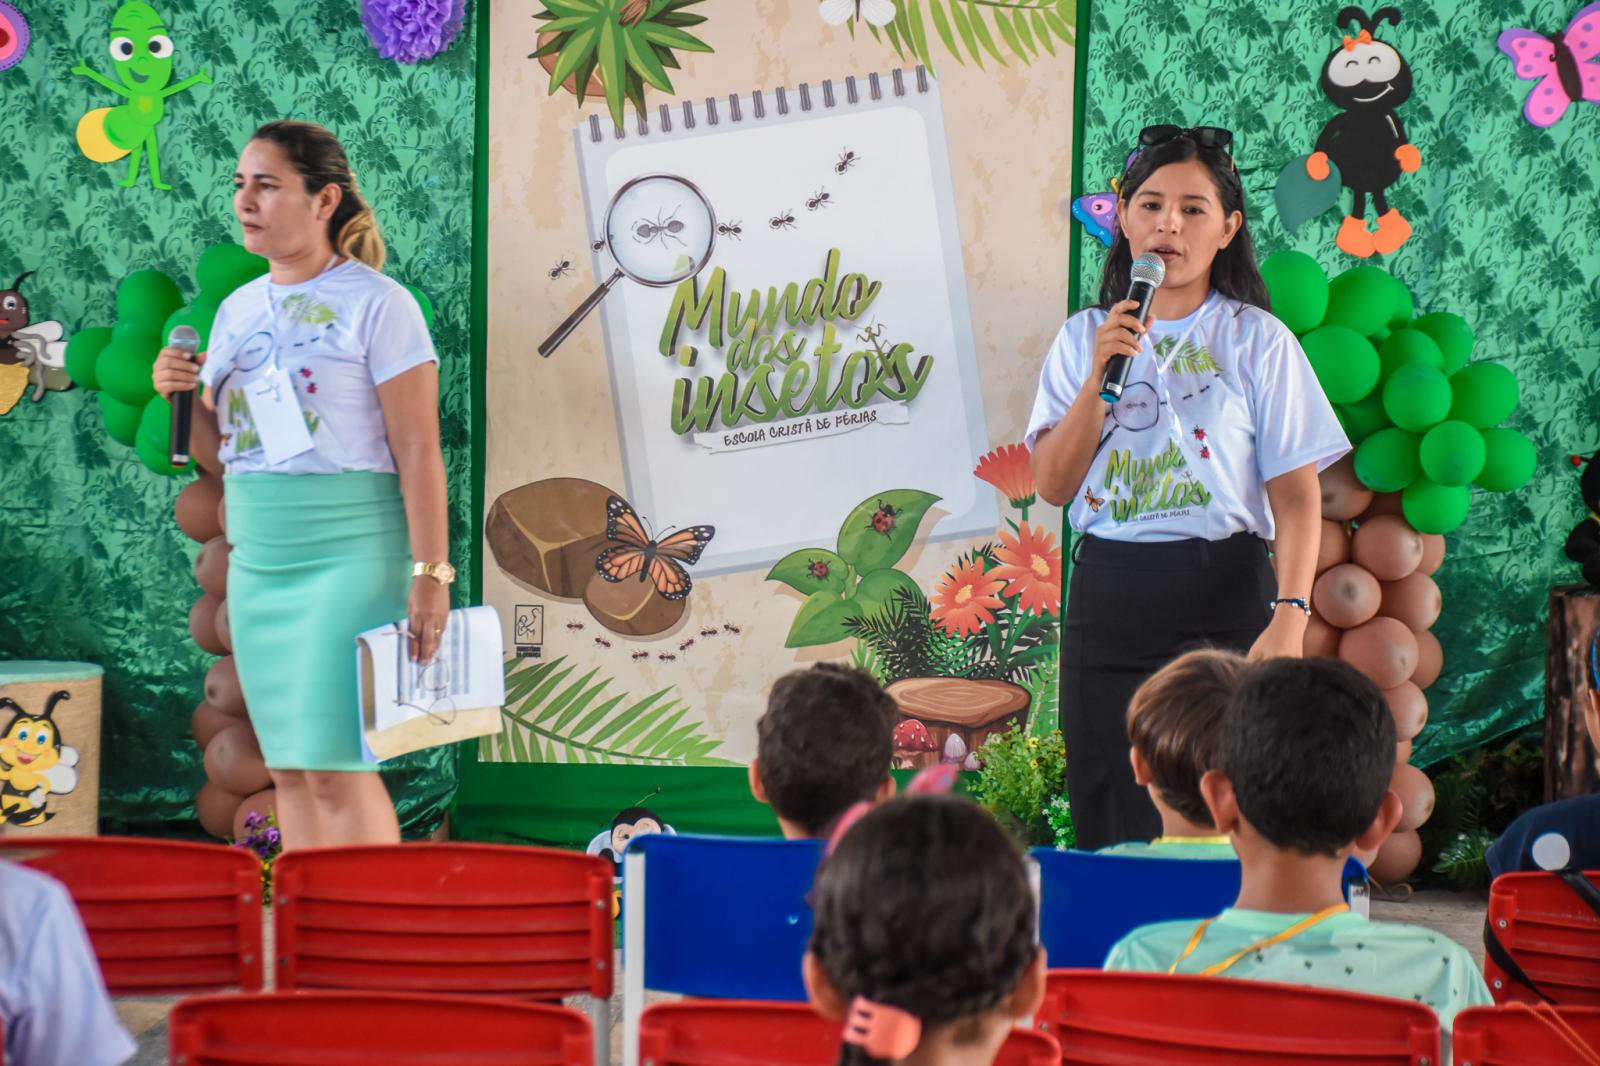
point(1030, 564)
point(966, 598)
point(1009, 469)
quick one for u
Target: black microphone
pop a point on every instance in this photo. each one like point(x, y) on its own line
point(1143, 281)
point(186, 338)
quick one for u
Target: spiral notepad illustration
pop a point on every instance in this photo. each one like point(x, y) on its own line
point(828, 332)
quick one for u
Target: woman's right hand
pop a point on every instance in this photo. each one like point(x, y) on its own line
point(175, 372)
point(1113, 336)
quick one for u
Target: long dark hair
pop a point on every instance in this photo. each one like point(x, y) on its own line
point(1233, 272)
point(320, 160)
point(924, 905)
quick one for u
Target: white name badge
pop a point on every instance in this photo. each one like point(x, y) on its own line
point(275, 408)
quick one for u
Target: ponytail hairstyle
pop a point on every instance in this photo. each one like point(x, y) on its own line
point(321, 161)
point(1233, 272)
point(924, 916)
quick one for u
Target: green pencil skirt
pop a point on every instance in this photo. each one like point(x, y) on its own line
point(317, 559)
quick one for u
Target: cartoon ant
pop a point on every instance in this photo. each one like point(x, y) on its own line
point(705, 633)
point(602, 642)
point(574, 626)
point(686, 645)
point(731, 628)
point(639, 656)
point(730, 229)
point(1367, 80)
point(782, 220)
point(34, 763)
point(661, 230)
point(666, 657)
point(35, 345)
point(627, 826)
point(818, 199)
point(847, 159)
point(595, 246)
point(561, 269)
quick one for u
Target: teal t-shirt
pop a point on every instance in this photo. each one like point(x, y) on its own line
point(1345, 952)
point(1175, 848)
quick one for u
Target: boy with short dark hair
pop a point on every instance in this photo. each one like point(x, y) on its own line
point(825, 743)
point(1174, 725)
point(1307, 750)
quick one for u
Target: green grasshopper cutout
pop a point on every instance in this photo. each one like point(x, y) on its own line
point(141, 53)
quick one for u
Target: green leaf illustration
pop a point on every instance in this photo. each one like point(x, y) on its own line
point(1025, 27)
point(821, 620)
point(879, 587)
point(799, 569)
point(869, 546)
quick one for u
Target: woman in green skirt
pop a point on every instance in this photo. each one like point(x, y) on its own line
point(325, 389)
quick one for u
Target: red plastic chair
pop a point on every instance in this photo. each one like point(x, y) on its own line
point(375, 1029)
point(162, 916)
point(764, 1033)
point(471, 919)
point(1516, 1034)
point(1550, 933)
point(1185, 1020)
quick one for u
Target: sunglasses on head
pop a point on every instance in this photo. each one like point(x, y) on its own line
point(1205, 136)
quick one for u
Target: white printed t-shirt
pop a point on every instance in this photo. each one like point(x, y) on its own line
point(1216, 405)
point(339, 336)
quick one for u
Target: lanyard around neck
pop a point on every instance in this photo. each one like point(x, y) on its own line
point(1277, 938)
point(1218, 839)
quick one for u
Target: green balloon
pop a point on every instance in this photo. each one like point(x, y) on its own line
point(1404, 305)
point(197, 315)
point(82, 351)
point(1344, 361)
point(224, 267)
point(1509, 460)
point(148, 294)
point(1452, 453)
point(1417, 397)
point(1298, 289)
point(154, 439)
point(1406, 346)
point(1453, 336)
point(1485, 394)
point(1435, 508)
point(1379, 337)
point(1362, 299)
point(1387, 460)
point(424, 303)
point(124, 370)
point(1363, 418)
point(122, 421)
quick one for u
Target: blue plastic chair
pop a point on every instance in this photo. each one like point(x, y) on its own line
point(1088, 901)
point(715, 917)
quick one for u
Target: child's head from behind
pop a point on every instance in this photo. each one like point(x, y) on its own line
point(826, 742)
point(1175, 726)
point(1307, 751)
point(924, 907)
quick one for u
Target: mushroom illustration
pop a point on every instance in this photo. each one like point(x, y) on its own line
point(911, 739)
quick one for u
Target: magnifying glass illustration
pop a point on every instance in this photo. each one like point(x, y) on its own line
point(660, 231)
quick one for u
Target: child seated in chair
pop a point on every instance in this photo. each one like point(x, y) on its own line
point(1174, 723)
point(1575, 820)
point(825, 743)
point(1302, 779)
point(923, 946)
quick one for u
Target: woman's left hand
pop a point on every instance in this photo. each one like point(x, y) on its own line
point(1284, 637)
point(427, 610)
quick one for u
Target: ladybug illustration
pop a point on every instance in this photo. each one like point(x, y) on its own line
point(1205, 453)
point(883, 518)
point(818, 569)
point(1199, 434)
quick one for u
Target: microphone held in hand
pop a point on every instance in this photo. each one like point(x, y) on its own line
point(186, 338)
point(1143, 280)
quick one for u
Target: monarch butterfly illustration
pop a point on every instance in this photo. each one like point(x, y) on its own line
point(1094, 502)
point(638, 553)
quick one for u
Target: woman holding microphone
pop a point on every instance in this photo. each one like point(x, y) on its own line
point(324, 387)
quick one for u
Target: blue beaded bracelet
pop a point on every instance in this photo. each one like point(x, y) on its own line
point(1294, 600)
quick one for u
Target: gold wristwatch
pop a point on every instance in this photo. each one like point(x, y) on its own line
point(443, 573)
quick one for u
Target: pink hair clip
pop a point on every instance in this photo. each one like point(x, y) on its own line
point(884, 1032)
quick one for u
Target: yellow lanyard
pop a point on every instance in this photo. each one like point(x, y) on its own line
point(1277, 938)
point(1193, 840)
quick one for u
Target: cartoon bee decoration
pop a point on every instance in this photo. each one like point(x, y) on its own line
point(34, 764)
point(1094, 502)
point(36, 348)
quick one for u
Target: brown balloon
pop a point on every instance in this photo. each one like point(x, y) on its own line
point(233, 760)
point(211, 567)
point(1321, 639)
point(1343, 494)
point(1416, 795)
point(1414, 600)
point(203, 625)
point(1388, 546)
point(1432, 553)
point(222, 687)
point(262, 803)
point(1346, 596)
point(1334, 548)
point(207, 722)
point(1397, 858)
point(1382, 503)
point(1383, 649)
point(222, 514)
point(1410, 709)
point(1430, 660)
point(224, 632)
point(196, 508)
point(1402, 751)
point(215, 806)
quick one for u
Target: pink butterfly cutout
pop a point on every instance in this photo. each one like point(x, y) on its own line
point(1560, 62)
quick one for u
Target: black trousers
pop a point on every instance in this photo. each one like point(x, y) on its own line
point(1131, 609)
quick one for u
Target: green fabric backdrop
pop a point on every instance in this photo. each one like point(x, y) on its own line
point(1504, 215)
point(94, 566)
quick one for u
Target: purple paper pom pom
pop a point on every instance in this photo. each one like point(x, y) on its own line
point(407, 31)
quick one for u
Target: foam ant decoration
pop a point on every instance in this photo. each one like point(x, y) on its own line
point(1583, 543)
